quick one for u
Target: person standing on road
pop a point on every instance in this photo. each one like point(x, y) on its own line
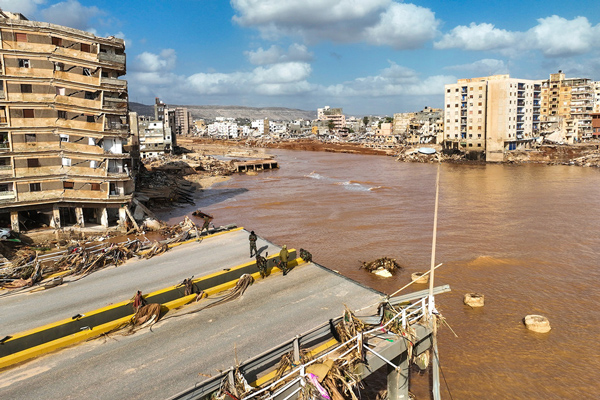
point(283, 259)
point(207, 219)
point(252, 238)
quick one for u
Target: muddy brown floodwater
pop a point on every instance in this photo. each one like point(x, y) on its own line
point(525, 236)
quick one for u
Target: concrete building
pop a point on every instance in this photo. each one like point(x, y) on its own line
point(260, 127)
point(63, 125)
point(334, 115)
point(488, 116)
point(155, 138)
point(401, 123)
point(567, 105)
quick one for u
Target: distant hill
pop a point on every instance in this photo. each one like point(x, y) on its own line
point(212, 112)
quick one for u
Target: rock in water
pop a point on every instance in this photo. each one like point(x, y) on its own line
point(474, 299)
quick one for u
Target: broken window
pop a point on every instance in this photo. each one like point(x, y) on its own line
point(56, 41)
point(35, 187)
point(68, 185)
point(90, 95)
point(30, 138)
point(95, 186)
point(21, 37)
point(59, 67)
point(90, 118)
point(23, 63)
point(86, 72)
point(26, 88)
point(33, 163)
point(85, 47)
point(28, 113)
point(62, 114)
point(64, 137)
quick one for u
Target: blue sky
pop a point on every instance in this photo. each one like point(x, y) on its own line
point(371, 57)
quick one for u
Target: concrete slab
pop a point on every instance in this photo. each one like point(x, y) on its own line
point(181, 351)
point(26, 311)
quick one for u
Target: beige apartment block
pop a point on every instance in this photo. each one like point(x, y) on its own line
point(63, 126)
point(335, 115)
point(567, 105)
point(489, 116)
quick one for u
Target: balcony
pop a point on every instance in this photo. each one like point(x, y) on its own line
point(116, 127)
point(4, 147)
point(113, 58)
point(114, 82)
point(7, 195)
point(115, 103)
point(520, 110)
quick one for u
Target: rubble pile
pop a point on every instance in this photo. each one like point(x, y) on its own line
point(588, 160)
point(382, 264)
point(162, 179)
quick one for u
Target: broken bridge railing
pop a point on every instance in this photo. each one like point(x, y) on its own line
point(407, 315)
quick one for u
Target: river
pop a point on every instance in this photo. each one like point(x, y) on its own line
point(525, 236)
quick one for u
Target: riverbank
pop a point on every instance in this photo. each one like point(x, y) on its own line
point(584, 155)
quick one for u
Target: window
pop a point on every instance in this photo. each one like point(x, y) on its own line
point(35, 187)
point(28, 113)
point(478, 144)
point(56, 41)
point(66, 162)
point(86, 72)
point(90, 95)
point(26, 88)
point(64, 137)
point(85, 47)
point(90, 118)
point(60, 91)
point(21, 37)
point(23, 63)
point(62, 114)
point(95, 186)
point(33, 163)
point(68, 185)
point(104, 74)
point(59, 67)
point(30, 138)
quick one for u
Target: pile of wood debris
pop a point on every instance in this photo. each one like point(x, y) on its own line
point(161, 179)
point(384, 267)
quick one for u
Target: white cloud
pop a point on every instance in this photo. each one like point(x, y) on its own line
point(403, 26)
point(275, 54)
point(379, 22)
point(485, 67)
point(26, 7)
point(558, 37)
point(153, 74)
point(553, 36)
point(395, 80)
point(477, 37)
point(71, 13)
point(150, 62)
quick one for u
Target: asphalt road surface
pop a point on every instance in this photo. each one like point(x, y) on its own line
point(112, 285)
point(180, 351)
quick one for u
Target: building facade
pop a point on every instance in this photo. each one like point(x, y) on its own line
point(488, 116)
point(567, 105)
point(63, 125)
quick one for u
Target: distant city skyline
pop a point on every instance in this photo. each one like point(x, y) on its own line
point(368, 57)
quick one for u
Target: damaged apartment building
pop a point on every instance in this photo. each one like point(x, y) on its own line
point(63, 126)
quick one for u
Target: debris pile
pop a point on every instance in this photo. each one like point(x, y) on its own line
point(588, 160)
point(162, 179)
point(385, 267)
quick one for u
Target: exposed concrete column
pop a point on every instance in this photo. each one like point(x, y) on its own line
point(14, 221)
point(79, 216)
point(397, 380)
point(103, 216)
point(122, 216)
point(55, 221)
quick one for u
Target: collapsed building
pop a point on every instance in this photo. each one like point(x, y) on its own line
point(64, 126)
